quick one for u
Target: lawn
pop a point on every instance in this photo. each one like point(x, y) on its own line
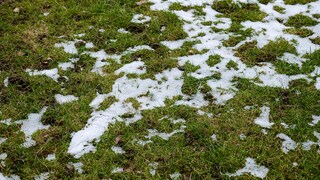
point(160, 89)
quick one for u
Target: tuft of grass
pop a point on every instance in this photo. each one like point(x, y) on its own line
point(300, 20)
point(190, 85)
point(213, 60)
point(251, 55)
point(302, 32)
point(239, 12)
point(292, 2)
point(316, 40)
point(279, 9)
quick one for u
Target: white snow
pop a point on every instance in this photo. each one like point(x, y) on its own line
point(51, 157)
point(31, 125)
point(135, 67)
point(68, 47)
point(214, 137)
point(308, 144)
point(263, 119)
point(2, 140)
point(89, 45)
point(42, 176)
point(123, 31)
point(117, 170)
point(51, 73)
point(12, 177)
point(140, 18)
point(287, 143)
point(153, 167)
point(3, 156)
point(164, 136)
point(242, 136)
point(117, 150)
point(61, 99)
point(78, 167)
point(6, 82)
point(315, 120)
point(252, 168)
point(175, 176)
point(65, 65)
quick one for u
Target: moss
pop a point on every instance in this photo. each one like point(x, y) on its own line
point(300, 20)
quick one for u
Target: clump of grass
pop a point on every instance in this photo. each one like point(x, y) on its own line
point(233, 40)
point(292, 2)
point(251, 55)
point(265, 1)
point(316, 16)
point(190, 85)
point(302, 32)
point(239, 12)
point(279, 9)
point(213, 60)
point(316, 40)
point(232, 65)
point(300, 20)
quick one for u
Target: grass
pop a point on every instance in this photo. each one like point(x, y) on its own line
point(27, 39)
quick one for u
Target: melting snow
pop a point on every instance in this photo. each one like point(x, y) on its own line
point(42, 176)
point(315, 120)
point(51, 73)
point(263, 119)
point(175, 176)
point(51, 157)
point(307, 145)
point(78, 167)
point(117, 150)
point(153, 168)
point(252, 168)
point(61, 99)
point(6, 82)
point(287, 143)
point(140, 18)
point(117, 170)
point(31, 125)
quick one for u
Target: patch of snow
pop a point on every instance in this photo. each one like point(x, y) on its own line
point(153, 168)
point(42, 176)
point(214, 137)
point(61, 99)
point(31, 125)
point(6, 82)
point(65, 65)
point(123, 31)
point(140, 18)
point(89, 45)
point(173, 44)
point(3, 156)
point(315, 120)
point(46, 14)
point(135, 67)
point(68, 47)
point(78, 167)
point(51, 157)
point(242, 136)
point(117, 150)
point(117, 170)
point(307, 145)
point(51, 73)
point(294, 164)
point(287, 143)
point(263, 119)
point(2, 140)
point(175, 176)
point(164, 136)
point(12, 177)
point(252, 168)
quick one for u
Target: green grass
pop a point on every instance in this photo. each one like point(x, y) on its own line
point(27, 40)
point(300, 20)
point(251, 54)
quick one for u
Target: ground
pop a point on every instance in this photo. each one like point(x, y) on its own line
point(155, 89)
